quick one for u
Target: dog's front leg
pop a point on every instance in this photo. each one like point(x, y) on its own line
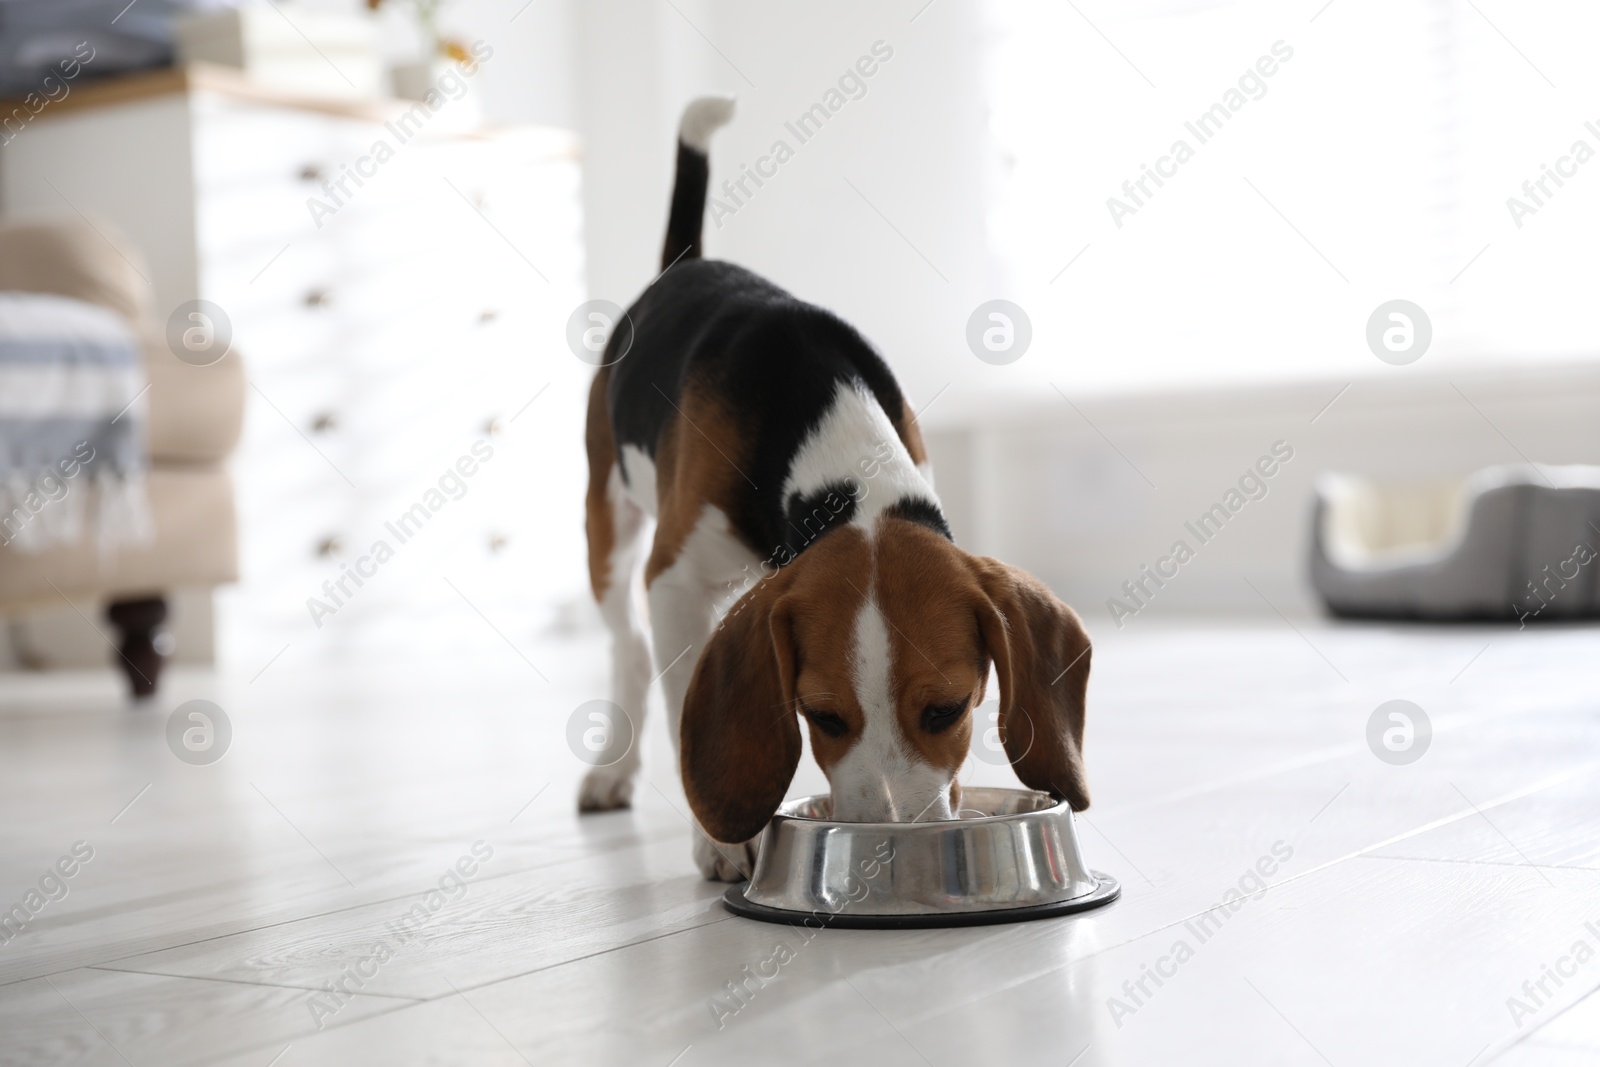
point(682, 609)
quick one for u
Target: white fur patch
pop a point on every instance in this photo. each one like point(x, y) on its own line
point(713, 554)
point(703, 117)
point(639, 473)
point(855, 443)
point(703, 582)
point(880, 779)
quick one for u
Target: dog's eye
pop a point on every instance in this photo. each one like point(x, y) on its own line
point(937, 718)
point(827, 722)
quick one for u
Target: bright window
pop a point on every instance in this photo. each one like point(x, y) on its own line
point(1374, 162)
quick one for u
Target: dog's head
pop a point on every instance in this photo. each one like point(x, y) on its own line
point(883, 644)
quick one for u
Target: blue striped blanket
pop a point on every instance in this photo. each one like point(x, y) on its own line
point(72, 415)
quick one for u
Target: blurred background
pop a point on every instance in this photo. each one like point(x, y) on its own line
point(345, 242)
point(1261, 332)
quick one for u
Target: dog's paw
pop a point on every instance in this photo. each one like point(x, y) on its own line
point(724, 863)
point(606, 789)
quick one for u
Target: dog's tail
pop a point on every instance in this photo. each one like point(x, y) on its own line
point(700, 119)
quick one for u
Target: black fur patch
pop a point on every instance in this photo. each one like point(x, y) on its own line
point(811, 516)
point(776, 364)
point(922, 511)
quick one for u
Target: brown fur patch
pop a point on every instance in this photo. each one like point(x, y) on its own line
point(1042, 655)
point(949, 613)
point(830, 584)
point(599, 524)
point(698, 461)
point(789, 644)
point(926, 591)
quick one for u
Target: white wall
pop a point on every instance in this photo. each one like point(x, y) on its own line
point(1038, 486)
point(916, 146)
point(1024, 475)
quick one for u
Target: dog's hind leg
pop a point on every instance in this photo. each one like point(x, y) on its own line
point(617, 532)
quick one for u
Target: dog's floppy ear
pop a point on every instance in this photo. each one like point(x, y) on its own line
point(739, 739)
point(1041, 652)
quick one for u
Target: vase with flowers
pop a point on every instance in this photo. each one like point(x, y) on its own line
point(441, 55)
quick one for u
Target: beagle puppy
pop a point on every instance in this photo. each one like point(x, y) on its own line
point(800, 566)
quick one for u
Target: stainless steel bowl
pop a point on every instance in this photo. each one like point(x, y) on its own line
point(1011, 855)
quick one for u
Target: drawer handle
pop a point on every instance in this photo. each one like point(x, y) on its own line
point(498, 542)
point(330, 546)
point(487, 315)
point(311, 172)
point(494, 427)
point(319, 298)
point(325, 422)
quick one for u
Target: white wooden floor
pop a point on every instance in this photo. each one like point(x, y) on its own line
point(221, 899)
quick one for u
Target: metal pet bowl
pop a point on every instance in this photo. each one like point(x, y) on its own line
point(1011, 855)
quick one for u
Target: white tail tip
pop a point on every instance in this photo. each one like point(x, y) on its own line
point(701, 118)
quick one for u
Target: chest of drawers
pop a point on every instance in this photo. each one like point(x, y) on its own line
point(398, 331)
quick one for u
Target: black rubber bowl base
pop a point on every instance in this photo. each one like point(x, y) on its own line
point(1106, 890)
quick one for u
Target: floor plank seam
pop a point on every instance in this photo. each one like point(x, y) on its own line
point(1360, 853)
point(580, 959)
point(422, 999)
point(1319, 869)
point(302, 918)
point(241, 981)
point(267, 1046)
point(401, 1004)
point(1529, 1036)
point(1485, 863)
